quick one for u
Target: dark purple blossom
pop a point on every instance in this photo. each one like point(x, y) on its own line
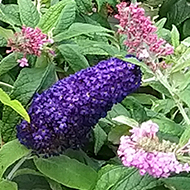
point(63, 115)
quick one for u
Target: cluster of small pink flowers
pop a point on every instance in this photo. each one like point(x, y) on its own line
point(141, 34)
point(144, 151)
point(28, 41)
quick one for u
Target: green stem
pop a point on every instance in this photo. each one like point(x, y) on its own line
point(7, 85)
point(16, 167)
point(163, 80)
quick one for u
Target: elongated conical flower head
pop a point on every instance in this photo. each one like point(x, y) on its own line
point(63, 115)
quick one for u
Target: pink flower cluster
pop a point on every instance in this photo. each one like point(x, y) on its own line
point(138, 151)
point(28, 41)
point(141, 34)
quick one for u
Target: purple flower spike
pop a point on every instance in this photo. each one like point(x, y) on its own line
point(63, 115)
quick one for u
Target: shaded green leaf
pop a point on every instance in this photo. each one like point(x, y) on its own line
point(116, 132)
point(143, 98)
point(9, 62)
point(68, 172)
point(10, 153)
point(28, 13)
point(185, 137)
point(14, 104)
point(177, 183)
point(84, 6)
point(100, 137)
point(73, 56)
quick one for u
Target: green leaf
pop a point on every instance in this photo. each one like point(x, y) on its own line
point(100, 137)
point(184, 95)
point(9, 62)
point(73, 56)
point(77, 29)
point(115, 134)
point(29, 81)
point(28, 13)
point(139, 63)
point(92, 47)
point(50, 18)
point(3, 41)
point(185, 137)
point(143, 98)
point(134, 181)
point(164, 106)
point(66, 17)
point(11, 11)
point(6, 33)
point(126, 120)
point(68, 172)
point(8, 185)
point(175, 36)
point(160, 24)
point(177, 183)
point(100, 3)
point(109, 175)
point(14, 104)
point(84, 6)
point(168, 126)
point(10, 153)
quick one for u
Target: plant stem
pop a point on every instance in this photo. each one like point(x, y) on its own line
point(7, 85)
point(16, 167)
point(163, 80)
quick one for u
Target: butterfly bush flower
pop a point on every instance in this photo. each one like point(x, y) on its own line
point(28, 41)
point(144, 151)
point(142, 39)
point(63, 115)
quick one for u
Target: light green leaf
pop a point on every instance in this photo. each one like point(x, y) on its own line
point(50, 18)
point(126, 120)
point(184, 95)
point(28, 13)
point(9, 62)
point(68, 172)
point(6, 33)
point(11, 12)
point(73, 57)
point(175, 36)
point(160, 24)
point(8, 185)
point(66, 17)
point(139, 63)
point(182, 62)
point(100, 137)
point(77, 29)
point(185, 137)
point(14, 104)
point(10, 153)
point(164, 106)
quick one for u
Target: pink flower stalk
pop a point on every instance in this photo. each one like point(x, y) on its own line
point(141, 34)
point(144, 151)
point(28, 41)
